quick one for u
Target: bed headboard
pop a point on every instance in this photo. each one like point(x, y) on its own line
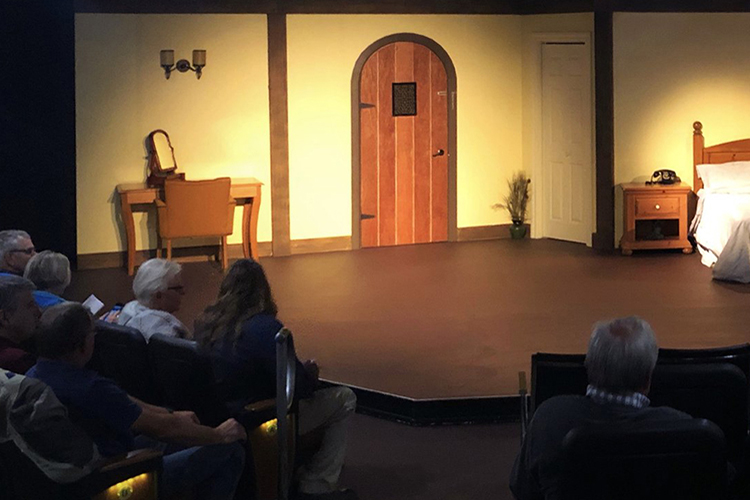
point(719, 153)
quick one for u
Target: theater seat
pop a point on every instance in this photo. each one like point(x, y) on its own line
point(682, 460)
point(184, 375)
point(132, 476)
point(121, 354)
point(715, 391)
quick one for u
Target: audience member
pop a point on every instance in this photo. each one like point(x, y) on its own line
point(620, 360)
point(158, 291)
point(19, 319)
point(212, 465)
point(16, 249)
point(240, 329)
point(50, 272)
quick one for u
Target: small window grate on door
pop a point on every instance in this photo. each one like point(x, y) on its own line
point(404, 99)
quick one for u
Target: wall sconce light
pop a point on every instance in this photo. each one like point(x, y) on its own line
point(166, 60)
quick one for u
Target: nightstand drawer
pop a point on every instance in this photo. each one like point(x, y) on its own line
point(657, 206)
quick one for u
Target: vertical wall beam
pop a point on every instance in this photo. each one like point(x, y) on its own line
point(603, 238)
point(279, 125)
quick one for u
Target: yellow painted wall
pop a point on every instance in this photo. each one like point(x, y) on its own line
point(486, 52)
point(218, 124)
point(669, 71)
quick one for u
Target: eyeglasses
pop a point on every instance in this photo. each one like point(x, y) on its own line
point(27, 251)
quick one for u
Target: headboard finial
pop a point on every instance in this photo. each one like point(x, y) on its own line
point(697, 128)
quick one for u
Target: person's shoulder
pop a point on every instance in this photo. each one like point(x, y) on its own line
point(267, 323)
point(666, 413)
point(557, 403)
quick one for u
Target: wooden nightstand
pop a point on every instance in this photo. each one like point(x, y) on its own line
point(655, 216)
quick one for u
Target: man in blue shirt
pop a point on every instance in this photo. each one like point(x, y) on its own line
point(211, 467)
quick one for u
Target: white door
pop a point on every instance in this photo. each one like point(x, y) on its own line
point(567, 168)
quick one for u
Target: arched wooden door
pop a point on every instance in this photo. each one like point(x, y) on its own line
point(404, 148)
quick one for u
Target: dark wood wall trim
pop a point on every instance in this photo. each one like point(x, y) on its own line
point(204, 253)
point(520, 7)
point(306, 6)
point(279, 125)
point(494, 232)
point(603, 238)
point(450, 71)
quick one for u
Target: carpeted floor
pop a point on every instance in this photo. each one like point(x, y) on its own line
point(461, 319)
point(391, 461)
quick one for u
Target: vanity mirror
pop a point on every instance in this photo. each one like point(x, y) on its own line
point(161, 161)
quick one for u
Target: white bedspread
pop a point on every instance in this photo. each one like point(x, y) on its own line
point(717, 218)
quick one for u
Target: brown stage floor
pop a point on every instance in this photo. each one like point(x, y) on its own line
point(461, 319)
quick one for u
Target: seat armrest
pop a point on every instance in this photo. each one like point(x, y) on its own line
point(261, 406)
point(122, 467)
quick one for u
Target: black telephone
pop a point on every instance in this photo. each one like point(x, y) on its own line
point(663, 177)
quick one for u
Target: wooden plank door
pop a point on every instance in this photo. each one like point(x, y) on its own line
point(403, 157)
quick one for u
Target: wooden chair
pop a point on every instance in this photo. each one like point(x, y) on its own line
point(196, 208)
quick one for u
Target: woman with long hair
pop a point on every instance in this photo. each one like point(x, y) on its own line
point(239, 329)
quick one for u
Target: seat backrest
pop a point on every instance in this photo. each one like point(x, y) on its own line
point(738, 355)
point(555, 375)
point(185, 378)
point(653, 460)
point(121, 354)
point(197, 208)
point(717, 392)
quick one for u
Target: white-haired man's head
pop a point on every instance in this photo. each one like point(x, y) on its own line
point(158, 285)
point(622, 355)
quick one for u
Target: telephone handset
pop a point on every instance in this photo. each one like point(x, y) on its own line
point(664, 176)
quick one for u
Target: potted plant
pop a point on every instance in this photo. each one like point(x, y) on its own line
point(515, 202)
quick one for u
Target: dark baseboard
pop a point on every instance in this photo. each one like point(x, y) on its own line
point(494, 232)
point(205, 253)
point(319, 245)
point(420, 412)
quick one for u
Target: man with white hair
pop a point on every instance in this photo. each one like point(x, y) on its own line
point(158, 291)
point(16, 248)
point(620, 360)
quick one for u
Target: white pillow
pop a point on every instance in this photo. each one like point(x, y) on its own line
point(730, 175)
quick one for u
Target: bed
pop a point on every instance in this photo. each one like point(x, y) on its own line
point(721, 226)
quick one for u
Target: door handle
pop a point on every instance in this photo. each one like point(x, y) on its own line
point(439, 152)
point(366, 216)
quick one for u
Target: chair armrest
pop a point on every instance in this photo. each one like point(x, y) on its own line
point(122, 467)
point(261, 406)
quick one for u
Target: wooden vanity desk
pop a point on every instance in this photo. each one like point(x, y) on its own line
point(246, 192)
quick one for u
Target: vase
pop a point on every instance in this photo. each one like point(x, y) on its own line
point(518, 230)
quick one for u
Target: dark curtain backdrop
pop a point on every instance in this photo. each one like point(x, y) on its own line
point(37, 122)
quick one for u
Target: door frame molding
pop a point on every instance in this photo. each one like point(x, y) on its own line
point(534, 55)
point(450, 71)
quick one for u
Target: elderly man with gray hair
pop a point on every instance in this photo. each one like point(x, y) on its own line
point(620, 360)
point(16, 249)
point(158, 291)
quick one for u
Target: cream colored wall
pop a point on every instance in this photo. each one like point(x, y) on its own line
point(487, 54)
point(669, 71)
point(218, 124)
